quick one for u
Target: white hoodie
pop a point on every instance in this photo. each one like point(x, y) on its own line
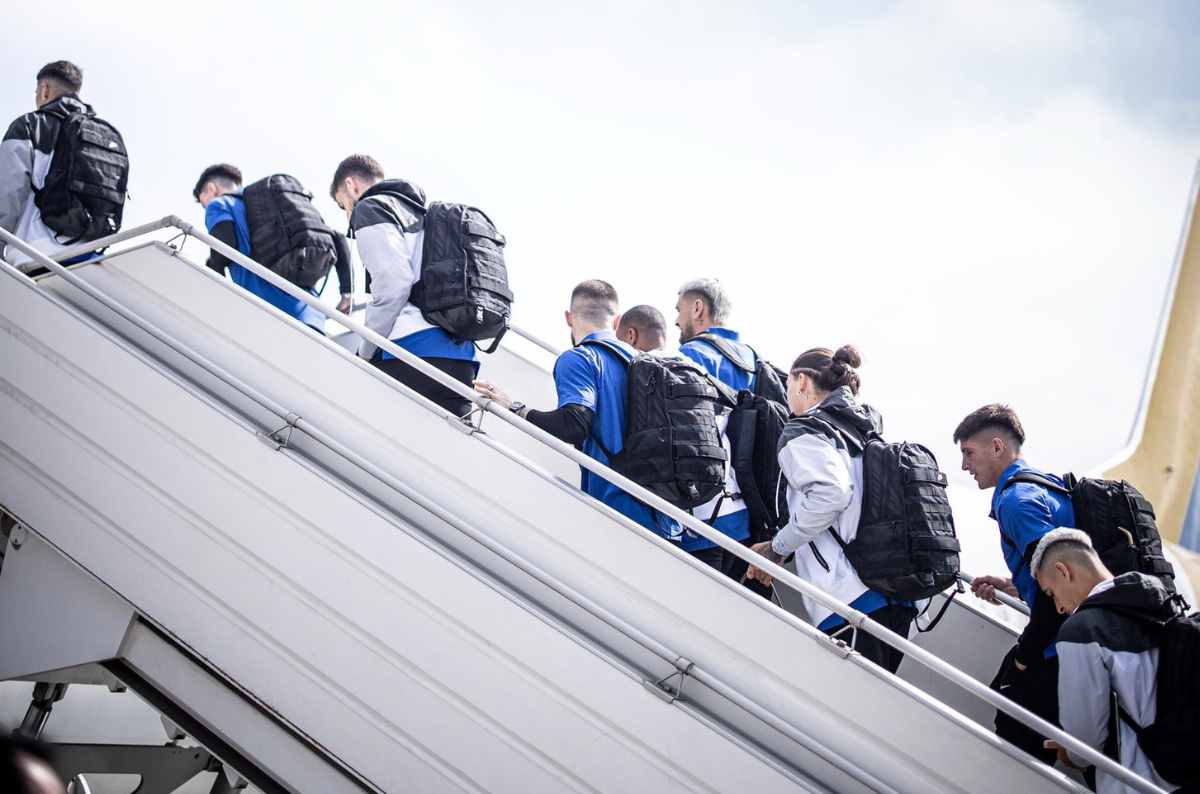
point(824, 490)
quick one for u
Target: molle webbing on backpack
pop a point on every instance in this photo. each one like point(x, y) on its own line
point(1116, 516)
point(672, 444)
point(905, 546)
point(287, 233)
point(83, 197)
point(464, 282)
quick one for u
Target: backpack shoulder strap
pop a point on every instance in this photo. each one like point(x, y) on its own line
point(817, 425)
point(1034, 478)
point(730, 351)
point(615, 349)
point(855, 442)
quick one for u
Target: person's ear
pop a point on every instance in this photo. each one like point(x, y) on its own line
point(567, 317)
point(1061, 568)
point(997, 446)
point(616, 321)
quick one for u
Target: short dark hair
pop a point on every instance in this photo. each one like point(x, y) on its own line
point(595, 300)
point(646, 319)
point(830, 370)
point(223, 172)
point(363, 166)
point(991, 417)
point(65, 73)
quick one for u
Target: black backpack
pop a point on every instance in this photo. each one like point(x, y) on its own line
point(769, 380)
point(906, 547)
point(464, 283)
point(754, 429)
point(1170, 742)
point(1117, 518)
point(672, 445)
point(287, 233)
point(83, 197)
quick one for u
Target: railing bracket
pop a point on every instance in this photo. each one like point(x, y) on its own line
point(663, 689)
point(273, 438)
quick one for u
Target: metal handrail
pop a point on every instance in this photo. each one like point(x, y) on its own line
point(966, 578)
point(1003, 598)
point(852, 616)
point(639, 637)
point(528, 337)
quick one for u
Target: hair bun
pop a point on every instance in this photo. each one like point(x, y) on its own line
point(849, 356)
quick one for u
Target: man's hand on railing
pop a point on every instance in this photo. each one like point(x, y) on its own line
point(985, 587)
point(494, 392)
point(756, 574)
point(1063, 758)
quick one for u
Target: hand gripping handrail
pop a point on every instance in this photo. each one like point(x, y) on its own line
point(852, 616)
point(1003, 598)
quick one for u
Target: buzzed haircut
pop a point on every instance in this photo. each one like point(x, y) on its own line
point(362, 166)
point(228, 176)
point(65, 73)
point(646, 319)
point(995, 417)
point(713, 293)
point(595, 301)
point(1063, 544)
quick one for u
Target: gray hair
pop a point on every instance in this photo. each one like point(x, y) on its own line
point(712, 292)
point(1075, 537)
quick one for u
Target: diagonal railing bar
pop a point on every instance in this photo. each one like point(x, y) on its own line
point(855, 618)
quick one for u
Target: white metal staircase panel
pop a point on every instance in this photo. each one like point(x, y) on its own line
point(414, 673)
point(287, 561)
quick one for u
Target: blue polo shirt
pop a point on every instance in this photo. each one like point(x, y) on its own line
point(231, 207)
point(735, 525)
point(591, 376)
point(721, 368)
point(1026, 512)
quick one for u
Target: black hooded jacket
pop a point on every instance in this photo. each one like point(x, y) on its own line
point(1102, 652)
point(25, 156)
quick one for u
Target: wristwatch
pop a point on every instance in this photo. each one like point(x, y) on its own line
point(517, 407)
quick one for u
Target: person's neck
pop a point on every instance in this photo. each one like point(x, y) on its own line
point(581, 332)
point(51, 100)
point(1090, 580)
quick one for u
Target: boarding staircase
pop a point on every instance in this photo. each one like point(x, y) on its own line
point(324, 583)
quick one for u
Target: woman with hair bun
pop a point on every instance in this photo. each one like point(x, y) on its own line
point(823, 474)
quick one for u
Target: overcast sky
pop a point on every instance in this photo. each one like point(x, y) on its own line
point(984, 197)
